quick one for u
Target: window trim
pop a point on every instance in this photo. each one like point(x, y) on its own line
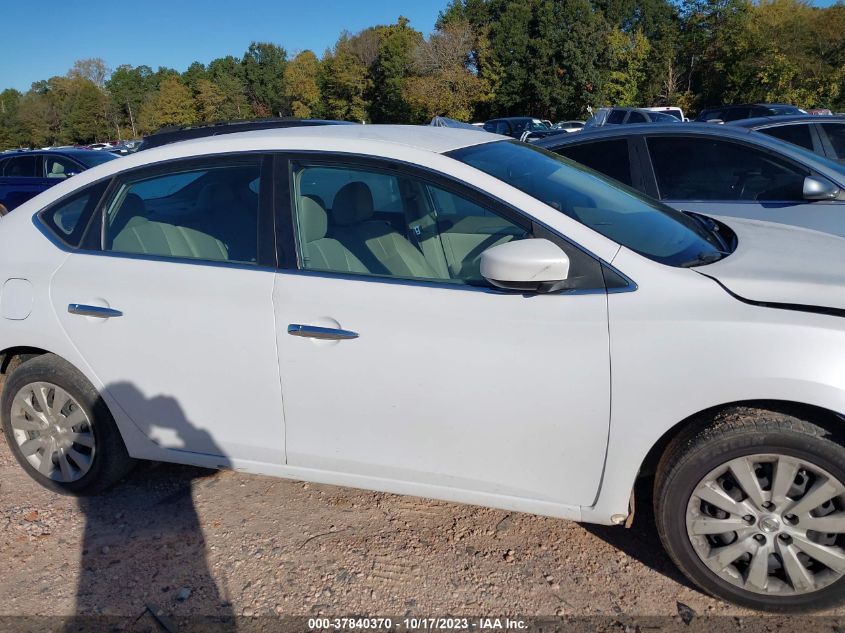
point(46, 157)
point(765, 150)
point(93, 241)
point(815, 140)
point(287, 216)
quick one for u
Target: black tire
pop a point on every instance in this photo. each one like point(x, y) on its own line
point(736, 433)
point(110, 463)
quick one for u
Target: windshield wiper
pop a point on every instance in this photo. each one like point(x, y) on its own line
point(712, 227)
point(705, 258)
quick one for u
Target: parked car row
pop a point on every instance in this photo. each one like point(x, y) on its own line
point(493, 323)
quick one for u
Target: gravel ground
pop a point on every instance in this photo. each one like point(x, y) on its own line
point(195, 542)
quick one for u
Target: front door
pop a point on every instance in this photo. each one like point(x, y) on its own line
point(404, 371)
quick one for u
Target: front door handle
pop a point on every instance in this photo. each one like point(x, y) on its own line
point(325, 333)
point(93, 311)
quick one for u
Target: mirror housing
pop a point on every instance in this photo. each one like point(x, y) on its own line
point(532, 265)
point(819, 189)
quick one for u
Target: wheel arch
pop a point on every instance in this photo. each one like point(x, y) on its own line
point(825, 418)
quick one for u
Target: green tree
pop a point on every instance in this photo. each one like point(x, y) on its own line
point(129, 87)
point(11, 132)
point(301, 85)
point(345, 83)
point(628, 56)
point(390, 71)
point(172, 104)
point(264, 75)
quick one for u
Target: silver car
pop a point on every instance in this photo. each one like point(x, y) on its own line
point(718, 170)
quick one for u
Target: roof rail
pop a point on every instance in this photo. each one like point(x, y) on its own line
point(174, 134)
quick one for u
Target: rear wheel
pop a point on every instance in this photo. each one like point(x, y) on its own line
point(60, 430)
point(752, 509)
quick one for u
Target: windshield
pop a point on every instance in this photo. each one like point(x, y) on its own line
point(93, 159)
point(605, 205)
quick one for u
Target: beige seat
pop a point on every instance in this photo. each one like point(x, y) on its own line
point(57, 171)
point(381, 249)
point(318, 251)
point(134, 233)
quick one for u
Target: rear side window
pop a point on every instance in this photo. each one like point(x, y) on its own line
point(701, 168)
point(69, 217)
point(23, 167)
point(836, 135)
point(616, 116)
point(795, 134)
point(607, 157)
point(735, 114)
point(636, 117)
point(201, 212)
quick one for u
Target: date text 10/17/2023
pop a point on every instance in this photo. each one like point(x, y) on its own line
point(416, 624)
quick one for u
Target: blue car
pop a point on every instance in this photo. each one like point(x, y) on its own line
point(25, 174)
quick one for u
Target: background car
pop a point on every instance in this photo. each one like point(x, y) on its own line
point(569, 126)
point(674, 111)
point(716, 169)
point(24, 175)
point(823, 135)
point(727, 113)
point(516, 126)
point(625, 116)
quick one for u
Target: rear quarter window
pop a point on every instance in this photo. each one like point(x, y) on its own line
point(68, 218)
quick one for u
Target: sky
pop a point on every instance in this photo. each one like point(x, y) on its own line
point(41, 40)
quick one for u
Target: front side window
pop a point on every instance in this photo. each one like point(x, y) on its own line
point(609, 208)
point(367, 221)
point(207, 212)
point(796, 134)
point(608, 157)
point(636, 117)
point(616, 117)
point(700, 168)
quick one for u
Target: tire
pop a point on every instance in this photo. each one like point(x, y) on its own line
point(91, 452)
point(766, 575)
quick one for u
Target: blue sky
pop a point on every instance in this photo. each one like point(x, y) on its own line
point(41, 40)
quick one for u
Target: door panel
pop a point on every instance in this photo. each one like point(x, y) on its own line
point(192, 360)
point(471, 389)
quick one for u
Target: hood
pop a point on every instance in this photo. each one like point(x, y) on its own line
point(780, 264)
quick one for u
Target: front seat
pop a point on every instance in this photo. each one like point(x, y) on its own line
point(376, 244)
point(318, 251)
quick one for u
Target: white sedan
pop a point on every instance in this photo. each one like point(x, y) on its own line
point(443, 313)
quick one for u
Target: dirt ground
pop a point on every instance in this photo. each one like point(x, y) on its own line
point(187, 541)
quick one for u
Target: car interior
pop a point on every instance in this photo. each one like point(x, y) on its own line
point(210, 214)
point(707, 169)
point(381, 224)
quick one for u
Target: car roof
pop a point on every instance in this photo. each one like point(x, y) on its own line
point(423, 137)
point(611, 131)
point(768, 121)
point(514, 118)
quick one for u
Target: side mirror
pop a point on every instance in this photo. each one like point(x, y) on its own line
point(818, 189)
point(534, 265)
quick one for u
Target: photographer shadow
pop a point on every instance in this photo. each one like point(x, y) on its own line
point(144, 554)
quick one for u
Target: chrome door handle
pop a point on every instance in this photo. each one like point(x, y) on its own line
point(325, 333)
point(93, 311)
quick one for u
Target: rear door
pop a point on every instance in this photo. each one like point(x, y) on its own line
point(170, 304)
point(22, 179)
point(724, 177)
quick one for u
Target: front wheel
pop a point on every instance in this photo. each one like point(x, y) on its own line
point(60, 430)
point(752, 510)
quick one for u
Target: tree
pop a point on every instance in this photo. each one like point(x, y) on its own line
point(94, 70)
point(11, 131)
point(390, 71)
point(443, 85)
point(172, 104)
point(301, 85)
point(344, 83)
point(264, 74)
point(628, 56)
point(210, 101)
point(84, 118)
point(129, 88)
